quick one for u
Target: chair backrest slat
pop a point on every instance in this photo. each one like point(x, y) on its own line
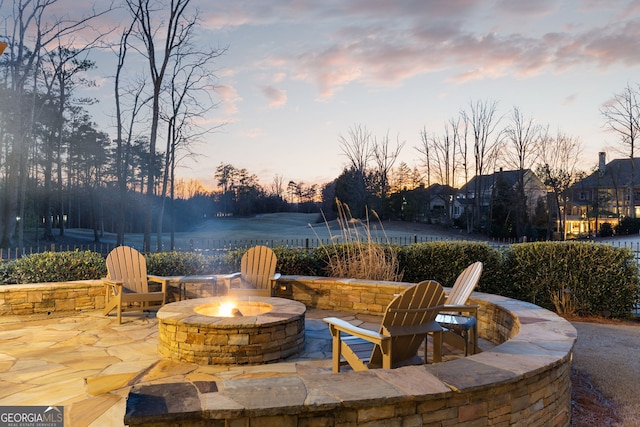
point(258, 264)
point(465, 284)
point(128, 265)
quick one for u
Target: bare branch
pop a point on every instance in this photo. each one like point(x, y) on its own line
point(356, 146)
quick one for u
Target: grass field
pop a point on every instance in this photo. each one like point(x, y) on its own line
point(282, 226)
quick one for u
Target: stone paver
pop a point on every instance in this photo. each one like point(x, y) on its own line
point(88, 363)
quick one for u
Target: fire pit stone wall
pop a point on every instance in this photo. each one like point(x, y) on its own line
point(186, 336)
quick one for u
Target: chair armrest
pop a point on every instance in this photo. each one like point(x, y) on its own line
point(461, 308)
point(424, 328)
point(227, 278)
point(231, 276)
point(110, 282)
point(159, 279)
point(340, 325)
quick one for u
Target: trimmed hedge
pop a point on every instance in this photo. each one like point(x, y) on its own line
point(595, 279)
point(175, 263)
point(444, 261)
point(56, 267)
point(600, 279)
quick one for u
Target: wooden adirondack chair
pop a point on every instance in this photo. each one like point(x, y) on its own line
point(407, 321)
point(257, 274)
point(452, 318)
point(127, 283)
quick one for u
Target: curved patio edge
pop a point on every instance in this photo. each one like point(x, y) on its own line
point(523, 380)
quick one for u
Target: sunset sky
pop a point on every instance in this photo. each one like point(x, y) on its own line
point(299, 73)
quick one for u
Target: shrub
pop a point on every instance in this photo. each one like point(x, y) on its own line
point(7, 272)
point(606, 230)
point(301, 262)
point(58, 267)
point(628, 225)
point(584, 278)
point(600, 279)
point(176, 263)
point(444, 261)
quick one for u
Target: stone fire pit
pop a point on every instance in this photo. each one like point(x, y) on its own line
point(253, 330)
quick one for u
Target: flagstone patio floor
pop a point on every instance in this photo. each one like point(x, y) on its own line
point(87, 362)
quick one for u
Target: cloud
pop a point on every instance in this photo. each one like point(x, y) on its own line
point(277, 98)
point(381, 43)
point(570, 100)
point(330, 69)
point(279, 77)
point(230, 99)
point(615, 44)
point(527, 8)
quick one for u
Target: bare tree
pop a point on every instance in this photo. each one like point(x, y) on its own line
point(385, 157)
point(356, 146)
point(622, 116)
point(523, 141)
point(188, 90)
point(123, 144)
point(277, 186)
point(439, 153)
point(187, 189)
point(460, 130)
point(482, 120)
point(558, 170)
point(425, 150)
point(173, 29)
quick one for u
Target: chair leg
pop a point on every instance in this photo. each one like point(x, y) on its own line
point(113, 302)
point(474, 332)
point(465, 336)
point(110, 303)
point(437, 347)
point(336, 346)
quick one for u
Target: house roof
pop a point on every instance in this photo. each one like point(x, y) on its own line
point(438, 189)
point(617, 173)
point(487, 181)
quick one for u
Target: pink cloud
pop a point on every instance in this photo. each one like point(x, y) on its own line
point(230, 99)
point(383, 43)
point(277, 98)
point(609, 45)
point(330, 69)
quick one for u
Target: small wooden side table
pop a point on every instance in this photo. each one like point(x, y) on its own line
point(184, 280)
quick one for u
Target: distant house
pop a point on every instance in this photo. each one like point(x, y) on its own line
point(604, 196)
point(483, 187)
point(431, 204)
point(440, 202)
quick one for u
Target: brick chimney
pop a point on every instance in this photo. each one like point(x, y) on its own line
point(602, 162)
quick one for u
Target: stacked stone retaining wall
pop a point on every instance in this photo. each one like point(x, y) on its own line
point(524, 380)
point(49, 298)
point(61, 297)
